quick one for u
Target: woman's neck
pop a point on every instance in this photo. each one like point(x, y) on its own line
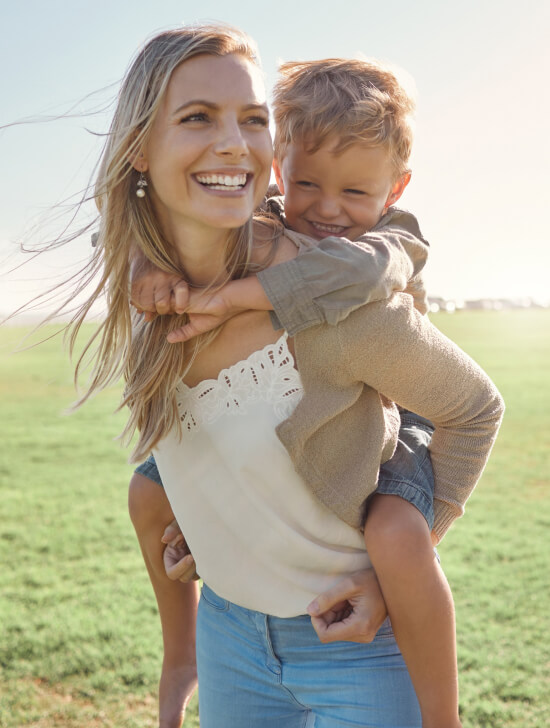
point(202, 253)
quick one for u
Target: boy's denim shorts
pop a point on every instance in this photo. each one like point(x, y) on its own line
point(149, 470)
point(408, 474)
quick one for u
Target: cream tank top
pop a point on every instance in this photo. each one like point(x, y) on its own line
point(259, 537)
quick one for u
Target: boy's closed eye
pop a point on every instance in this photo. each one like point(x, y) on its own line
point(259, 120)
point(356, 192)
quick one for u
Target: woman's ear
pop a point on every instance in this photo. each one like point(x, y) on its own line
point(398, 189)
point(139, 161)
point(278, 176)
point(137, 154)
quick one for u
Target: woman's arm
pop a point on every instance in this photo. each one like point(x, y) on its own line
point(177, 602)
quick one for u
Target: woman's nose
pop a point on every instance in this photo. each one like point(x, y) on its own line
point(231, 141)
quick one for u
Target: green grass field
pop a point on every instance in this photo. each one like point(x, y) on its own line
point(80, 641)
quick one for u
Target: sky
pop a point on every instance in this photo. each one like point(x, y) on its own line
point(480, 185)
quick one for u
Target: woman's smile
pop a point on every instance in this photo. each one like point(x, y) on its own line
point(210, 139)
point(229, 181)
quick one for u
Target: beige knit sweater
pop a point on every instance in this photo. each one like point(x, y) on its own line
point(346, 424)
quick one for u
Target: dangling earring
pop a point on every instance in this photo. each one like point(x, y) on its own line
point(142, 182)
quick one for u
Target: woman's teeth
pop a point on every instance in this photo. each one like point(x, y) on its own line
point(222, 181)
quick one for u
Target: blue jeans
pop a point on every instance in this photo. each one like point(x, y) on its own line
point(259, 671)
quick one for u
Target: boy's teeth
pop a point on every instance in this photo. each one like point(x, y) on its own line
point(222, 181)
point(328, 228)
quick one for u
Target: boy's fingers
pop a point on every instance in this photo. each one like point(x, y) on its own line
point(180, 296)
point(163, 298)
point(184, 333)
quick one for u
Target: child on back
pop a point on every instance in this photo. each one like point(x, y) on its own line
point(342, 146)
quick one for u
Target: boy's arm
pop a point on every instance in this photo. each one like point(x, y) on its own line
point(404, 357)
point(323, 284)
point(332, 278)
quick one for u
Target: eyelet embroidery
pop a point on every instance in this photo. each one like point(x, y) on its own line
point(268, 375)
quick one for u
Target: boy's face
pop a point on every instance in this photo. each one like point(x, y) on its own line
point(341, 194)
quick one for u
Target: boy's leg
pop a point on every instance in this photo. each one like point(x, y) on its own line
point(419, 603)
point(150, 512)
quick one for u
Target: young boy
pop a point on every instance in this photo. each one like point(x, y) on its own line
point(342, 146)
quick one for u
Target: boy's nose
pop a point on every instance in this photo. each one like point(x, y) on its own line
point(328, 207)
point(231, 140)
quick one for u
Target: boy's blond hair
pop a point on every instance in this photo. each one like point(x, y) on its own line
point(355, 101)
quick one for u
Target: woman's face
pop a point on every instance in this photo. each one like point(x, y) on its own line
point(208, 157)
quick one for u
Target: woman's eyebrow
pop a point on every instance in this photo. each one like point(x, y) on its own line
point(211, 105)
point(195, 102)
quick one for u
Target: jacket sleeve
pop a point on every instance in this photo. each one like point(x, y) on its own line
point(329, 280)
point(404, 357)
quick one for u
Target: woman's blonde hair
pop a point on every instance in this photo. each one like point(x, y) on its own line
point(124, 343)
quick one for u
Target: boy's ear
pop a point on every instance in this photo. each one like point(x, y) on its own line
point(278, 176)
point(398, 189)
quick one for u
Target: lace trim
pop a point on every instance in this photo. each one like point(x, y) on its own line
point(267, 375)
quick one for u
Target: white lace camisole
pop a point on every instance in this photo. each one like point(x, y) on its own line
point(259, 536)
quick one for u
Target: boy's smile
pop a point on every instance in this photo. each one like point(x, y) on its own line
point(342, 194)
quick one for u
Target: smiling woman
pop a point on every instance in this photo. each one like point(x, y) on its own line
point(267, 446)
point(208, 155)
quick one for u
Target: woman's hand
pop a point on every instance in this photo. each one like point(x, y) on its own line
point(351, 611)
point(178, 559)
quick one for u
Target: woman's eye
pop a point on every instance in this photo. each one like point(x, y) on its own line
point(200, 116)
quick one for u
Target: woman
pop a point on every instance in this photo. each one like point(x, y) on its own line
point(186, 163)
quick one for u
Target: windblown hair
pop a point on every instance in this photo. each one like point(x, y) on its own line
point(354, 101)
point(125, 344)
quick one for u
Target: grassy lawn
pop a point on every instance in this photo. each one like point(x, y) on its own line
point(80, 637)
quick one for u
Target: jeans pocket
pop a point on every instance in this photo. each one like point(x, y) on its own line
point(213, 600)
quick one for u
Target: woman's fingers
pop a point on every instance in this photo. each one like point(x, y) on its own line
point(352, 610)
point(183, 570)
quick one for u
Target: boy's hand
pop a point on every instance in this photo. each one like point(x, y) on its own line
point(351, 611)
point(178, 559)
point(206, 311)
point(155, 292)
